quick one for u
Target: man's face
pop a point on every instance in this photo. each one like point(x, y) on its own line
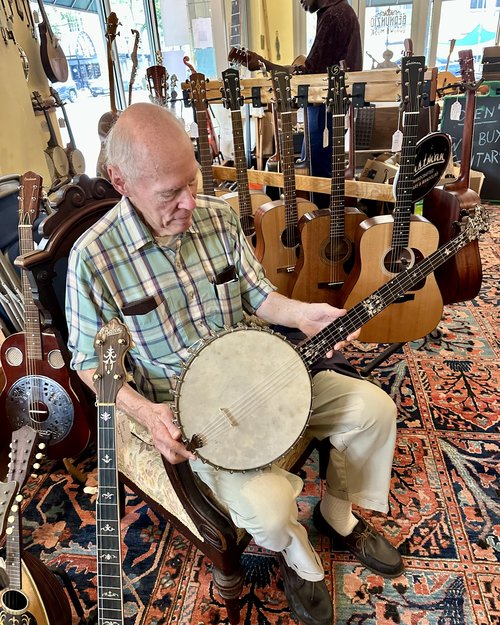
point(165, 198)
point(310, 5)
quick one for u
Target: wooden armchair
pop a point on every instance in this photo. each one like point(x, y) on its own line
point(173, 491)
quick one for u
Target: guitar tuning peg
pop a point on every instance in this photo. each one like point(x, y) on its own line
point(39, 456)
point(36, 466)
point(15, 508)
point(41, 445)
point(9, 531)
point(19, 497)
point(34, 476)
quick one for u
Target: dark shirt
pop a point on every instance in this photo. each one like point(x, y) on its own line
point(337, 38)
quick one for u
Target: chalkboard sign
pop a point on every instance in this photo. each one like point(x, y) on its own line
point(486, 142)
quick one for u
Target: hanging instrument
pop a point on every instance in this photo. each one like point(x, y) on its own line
point(276, 223)
point(134, 59)
point(55, 156)
point(388, 244)
point(244, 201)
point(459, 279)
point(327, 235)
point(254, 411)
point(54, 62)
point(76, 160)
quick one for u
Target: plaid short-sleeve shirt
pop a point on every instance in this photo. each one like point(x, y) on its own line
point(169, 297)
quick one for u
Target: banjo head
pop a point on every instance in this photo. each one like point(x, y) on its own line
point(243, 399)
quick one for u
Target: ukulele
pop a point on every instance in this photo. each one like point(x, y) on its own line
point(388, 244)
point(460, 278)
point(206, 135)
point(33, 595)
point(134, 59)
point(56, 157)
point(37, 389)
point(111, 345)
point(244, 201)
point(76, 160)
point(54, 62)
point(327, 235)
point(109, 118)
point(276, 223)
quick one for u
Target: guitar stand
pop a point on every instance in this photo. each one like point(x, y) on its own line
point(366, 371)
point(66, 582)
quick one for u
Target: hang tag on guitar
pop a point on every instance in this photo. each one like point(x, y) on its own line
point(455, 110)
point(397, 141)
point(326, 138)
point(193, 131)
point(300, 116)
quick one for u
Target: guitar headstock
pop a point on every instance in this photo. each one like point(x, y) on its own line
point(57, 98)
point(30, 195)
point(157, 77)
point(466, 60)
point(282, 86)
point(111, 345)
point(412, 79)
point(336, 97)
point(8, 491)
point(198, 91)
point(231, 89)
point(133, 54)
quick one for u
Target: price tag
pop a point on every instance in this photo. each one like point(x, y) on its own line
point(258, 111)
point(326, 138)
point(456, 109)
point(300, 116)
point(397, 141)
point(347, 137)
point(193, 130)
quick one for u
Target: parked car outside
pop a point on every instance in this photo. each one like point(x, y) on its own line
point(100, 86)
point(67, 90)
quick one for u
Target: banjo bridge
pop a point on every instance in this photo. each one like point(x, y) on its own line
point(229, 417)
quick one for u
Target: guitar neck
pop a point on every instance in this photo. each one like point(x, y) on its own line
point(466, 159)
point(33, 334)
point(13, 553)
point(48, 28)
point(404, 185)
point(109, 567)
point(235, 34)
point(337, 190)
point(205, 152)
point(316, 347)
point(240, 162)
point(288, 168)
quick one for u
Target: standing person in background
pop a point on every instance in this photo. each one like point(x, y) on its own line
point(337, 39)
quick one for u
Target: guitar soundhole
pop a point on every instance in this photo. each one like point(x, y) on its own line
point(337, 252)
point(247, 225)
point(14, 601)
point(396, 261)
point(290, 237)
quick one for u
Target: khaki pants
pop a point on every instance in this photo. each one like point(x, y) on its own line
point(360, 421)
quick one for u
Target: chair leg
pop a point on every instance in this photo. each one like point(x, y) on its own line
point(230, 587)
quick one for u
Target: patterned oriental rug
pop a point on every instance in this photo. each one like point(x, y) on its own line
point(444, 508)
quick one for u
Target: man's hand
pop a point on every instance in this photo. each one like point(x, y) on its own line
point(316, 316)
point(158, 419)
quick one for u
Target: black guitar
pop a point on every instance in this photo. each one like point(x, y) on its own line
point(111, 345)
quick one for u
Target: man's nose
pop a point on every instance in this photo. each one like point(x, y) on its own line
point(187, 200)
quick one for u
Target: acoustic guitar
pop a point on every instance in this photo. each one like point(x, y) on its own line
point(388, 244)
point(446, 78)
point(56, 157)
point(37, 390)
point(33, 595)
point(327, 235)
point(244, 201)
point(236, 426)
point(206, 135)
point(76, 160)
point(460, 278)
point(276, 223)
point(54, 62)
point(109, 118)
point(111, 344)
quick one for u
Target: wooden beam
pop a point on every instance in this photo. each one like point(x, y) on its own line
point(353, 188)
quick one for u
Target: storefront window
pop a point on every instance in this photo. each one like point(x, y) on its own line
point(387, 25)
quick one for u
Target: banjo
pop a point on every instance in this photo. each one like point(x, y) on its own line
point(254, 412)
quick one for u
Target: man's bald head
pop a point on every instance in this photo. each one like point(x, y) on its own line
point(145, 134)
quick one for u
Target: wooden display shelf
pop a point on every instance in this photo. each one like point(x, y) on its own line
point(382, 85)
point(353, 188)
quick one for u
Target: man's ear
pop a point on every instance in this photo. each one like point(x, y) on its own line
point(116, 178)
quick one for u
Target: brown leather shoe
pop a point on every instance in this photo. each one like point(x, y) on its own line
point(364, 542)
point(310, 602)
